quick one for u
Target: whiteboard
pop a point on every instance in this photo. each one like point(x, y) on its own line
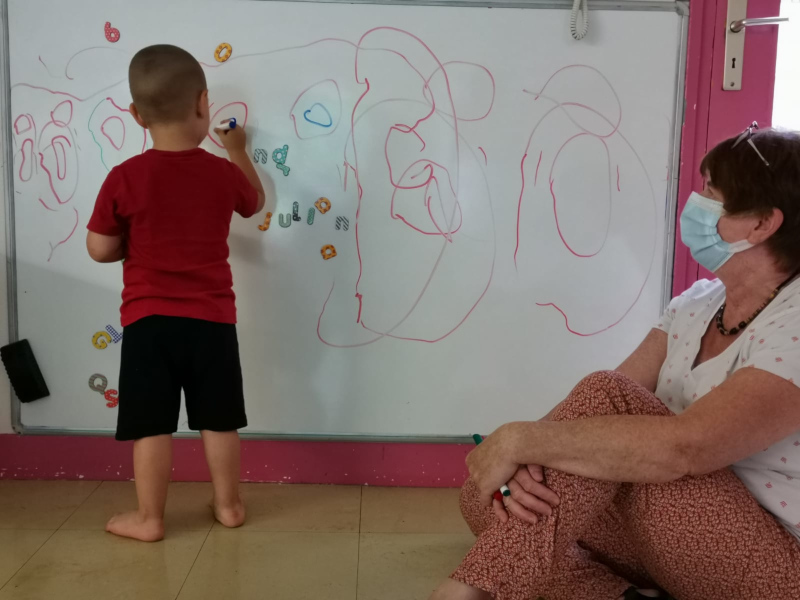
point(501, 203)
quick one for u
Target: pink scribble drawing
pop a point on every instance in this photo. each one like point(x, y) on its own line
point(116, 133)
point(60, 154)
point(47, 157)
point(25, 161)
point(237, 110)
point(61, 115)
point(26, 127)
point(115, 138)
point(49, 153)
point(60, 151)
point(66, 239)
point(423, 250)
point(583, 113)
point(47, 165)
point(419, 190)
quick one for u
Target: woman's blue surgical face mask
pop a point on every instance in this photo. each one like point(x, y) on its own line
point(699, 232)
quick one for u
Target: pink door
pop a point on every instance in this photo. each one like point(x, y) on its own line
point(714, 114)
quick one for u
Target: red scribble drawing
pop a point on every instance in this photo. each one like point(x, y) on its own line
point(27, 126)
point(116, 133)
point(47, 171)
point(237, 110)
point(116, 138)
point(419, 277)
point(555, 204)
point(48, 149)
point(579, 129)
point(422, 252)
point(61, 115)
point(538, 164)
point(25, 161)
point(61, 155)
point(56, 153)
point(66, 239)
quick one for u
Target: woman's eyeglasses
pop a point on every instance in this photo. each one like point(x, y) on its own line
point(745, 136)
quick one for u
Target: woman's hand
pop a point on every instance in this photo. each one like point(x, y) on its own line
point(529, 496)
point(491, 464)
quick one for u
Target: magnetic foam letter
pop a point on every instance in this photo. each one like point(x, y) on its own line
point(328, 252)
point(323, 205)
point(279, 155)
point(101, 340)
point(260, 154)
point(267, 221)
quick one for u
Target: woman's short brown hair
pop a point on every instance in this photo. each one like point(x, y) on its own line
point(748, 185)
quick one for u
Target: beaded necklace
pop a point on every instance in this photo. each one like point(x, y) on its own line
point(743, 324)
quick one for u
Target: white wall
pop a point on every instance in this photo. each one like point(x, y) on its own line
point(786, 105)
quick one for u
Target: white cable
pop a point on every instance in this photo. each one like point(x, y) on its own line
point(579, 7)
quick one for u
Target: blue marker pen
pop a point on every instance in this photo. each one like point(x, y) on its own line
point(228, 124)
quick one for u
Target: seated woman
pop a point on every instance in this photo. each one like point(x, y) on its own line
point(706, 504)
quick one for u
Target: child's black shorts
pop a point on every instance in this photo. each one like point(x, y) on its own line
point(161, 356)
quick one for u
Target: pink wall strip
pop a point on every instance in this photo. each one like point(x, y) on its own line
point(343, 463)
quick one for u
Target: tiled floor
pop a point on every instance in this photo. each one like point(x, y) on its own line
point(300, 542)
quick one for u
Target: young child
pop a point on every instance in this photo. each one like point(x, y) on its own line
point(167, 214)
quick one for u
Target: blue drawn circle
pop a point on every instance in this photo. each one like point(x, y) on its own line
point(312, 121)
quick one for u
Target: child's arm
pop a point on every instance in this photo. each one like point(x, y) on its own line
point(235, 142)
point(105, 248)
point(105, 241)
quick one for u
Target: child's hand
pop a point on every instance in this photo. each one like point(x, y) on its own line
point(234, 140)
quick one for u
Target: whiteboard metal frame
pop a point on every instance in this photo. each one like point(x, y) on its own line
point(8, 191)
point(670, 215)
point(647, 5)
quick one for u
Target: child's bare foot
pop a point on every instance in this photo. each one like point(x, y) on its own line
point(134, 525)
point(230, 516)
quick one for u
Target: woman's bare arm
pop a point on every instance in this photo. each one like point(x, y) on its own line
point(644, 365)
point(750, 411)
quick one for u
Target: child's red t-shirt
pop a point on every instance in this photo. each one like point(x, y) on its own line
point(174, 210)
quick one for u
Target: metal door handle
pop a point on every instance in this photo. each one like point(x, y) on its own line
point(737, 26)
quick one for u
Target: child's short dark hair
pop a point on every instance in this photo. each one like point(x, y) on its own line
point(165, 83)
point(750, 186)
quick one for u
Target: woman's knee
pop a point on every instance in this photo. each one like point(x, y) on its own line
point(478, 517)
point(608, 393)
